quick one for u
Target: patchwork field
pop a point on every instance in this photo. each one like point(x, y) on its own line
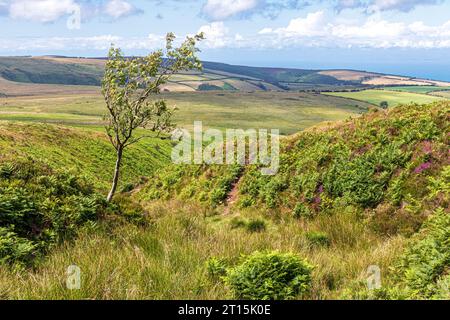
point(417, 89)
point(392, 97)
point(288, 111)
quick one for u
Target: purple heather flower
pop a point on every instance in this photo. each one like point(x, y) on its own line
point(427, 147)
point(422, 167)
point(321, 188)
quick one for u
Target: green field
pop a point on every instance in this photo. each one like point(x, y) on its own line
point(445, 94)
point(288, 111)
point(392, 97)
point(416, 89)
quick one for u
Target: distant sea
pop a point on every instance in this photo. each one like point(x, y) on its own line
point(421, 69)
point(425, 70)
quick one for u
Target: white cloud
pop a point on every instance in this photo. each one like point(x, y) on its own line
point(315, 24)
point(316, 30)
point(72, 44)
point(119, 8)
point(216, 34)
point(372, 29)
point(223, 9)
point(384, 5)
point(400, 5)
point(3, 8)
point(41, 10)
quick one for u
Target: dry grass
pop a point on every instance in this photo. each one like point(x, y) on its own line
point(167, 259)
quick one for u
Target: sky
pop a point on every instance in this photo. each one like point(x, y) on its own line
point(408, 37)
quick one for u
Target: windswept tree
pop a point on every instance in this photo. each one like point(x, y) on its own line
point(130, 87)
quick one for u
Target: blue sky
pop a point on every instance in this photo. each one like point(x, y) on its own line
point(395, 36)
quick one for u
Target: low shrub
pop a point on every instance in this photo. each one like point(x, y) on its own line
point(427, 260)
point(270, 276)
point(256, 225)
point(40, 207)
point(237, 223)
point(216, 268)
point(301, 211)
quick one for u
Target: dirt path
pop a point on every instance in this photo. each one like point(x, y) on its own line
point(233, 196)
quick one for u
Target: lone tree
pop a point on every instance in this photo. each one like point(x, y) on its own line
point(384, 104)
point(130, 87)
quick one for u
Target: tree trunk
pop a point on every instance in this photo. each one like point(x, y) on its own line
point(116, 175)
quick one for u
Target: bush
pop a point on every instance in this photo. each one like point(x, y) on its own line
point(427, 259)
point(216, 268)
point(256, 225)
point(316, 238)
point(237, 223)
point(301, 211)
point(15, 249)
point(269, 276)
point(128, 209)
point(40, 207)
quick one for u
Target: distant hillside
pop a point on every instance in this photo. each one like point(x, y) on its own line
point(34, 70)
point(215, 76)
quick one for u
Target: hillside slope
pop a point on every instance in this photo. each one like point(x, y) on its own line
point(378, 177)
point(86, 152)
point(215, 76)
point(377, 160)
point(371, 191)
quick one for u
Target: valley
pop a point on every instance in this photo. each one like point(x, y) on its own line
point(358, 186)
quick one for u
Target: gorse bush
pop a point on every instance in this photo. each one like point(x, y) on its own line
point(269, 276)
point(39, 207)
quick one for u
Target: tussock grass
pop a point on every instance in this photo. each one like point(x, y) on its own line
point(167, 259)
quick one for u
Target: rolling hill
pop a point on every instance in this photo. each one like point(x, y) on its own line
point(215, 76)
point(371, 191)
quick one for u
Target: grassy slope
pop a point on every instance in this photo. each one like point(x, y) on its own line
point(88, 152)
point(30, 70)
point(392, 97)
point(166, 260)
point(445, 94)
point(368, 184)
point(290, 112)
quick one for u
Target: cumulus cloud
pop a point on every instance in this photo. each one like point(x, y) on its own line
point(120, 8)
point(41, 10)
point(372, 6)
point(400, 5)
point(374, 33)
point(348, 4)
point(3, 8)
point(216, 34)
point(218, 10)
point(223, 9)
point(51, 10)
point(72, 44)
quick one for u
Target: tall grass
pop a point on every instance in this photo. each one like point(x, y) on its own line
point(166, 259)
